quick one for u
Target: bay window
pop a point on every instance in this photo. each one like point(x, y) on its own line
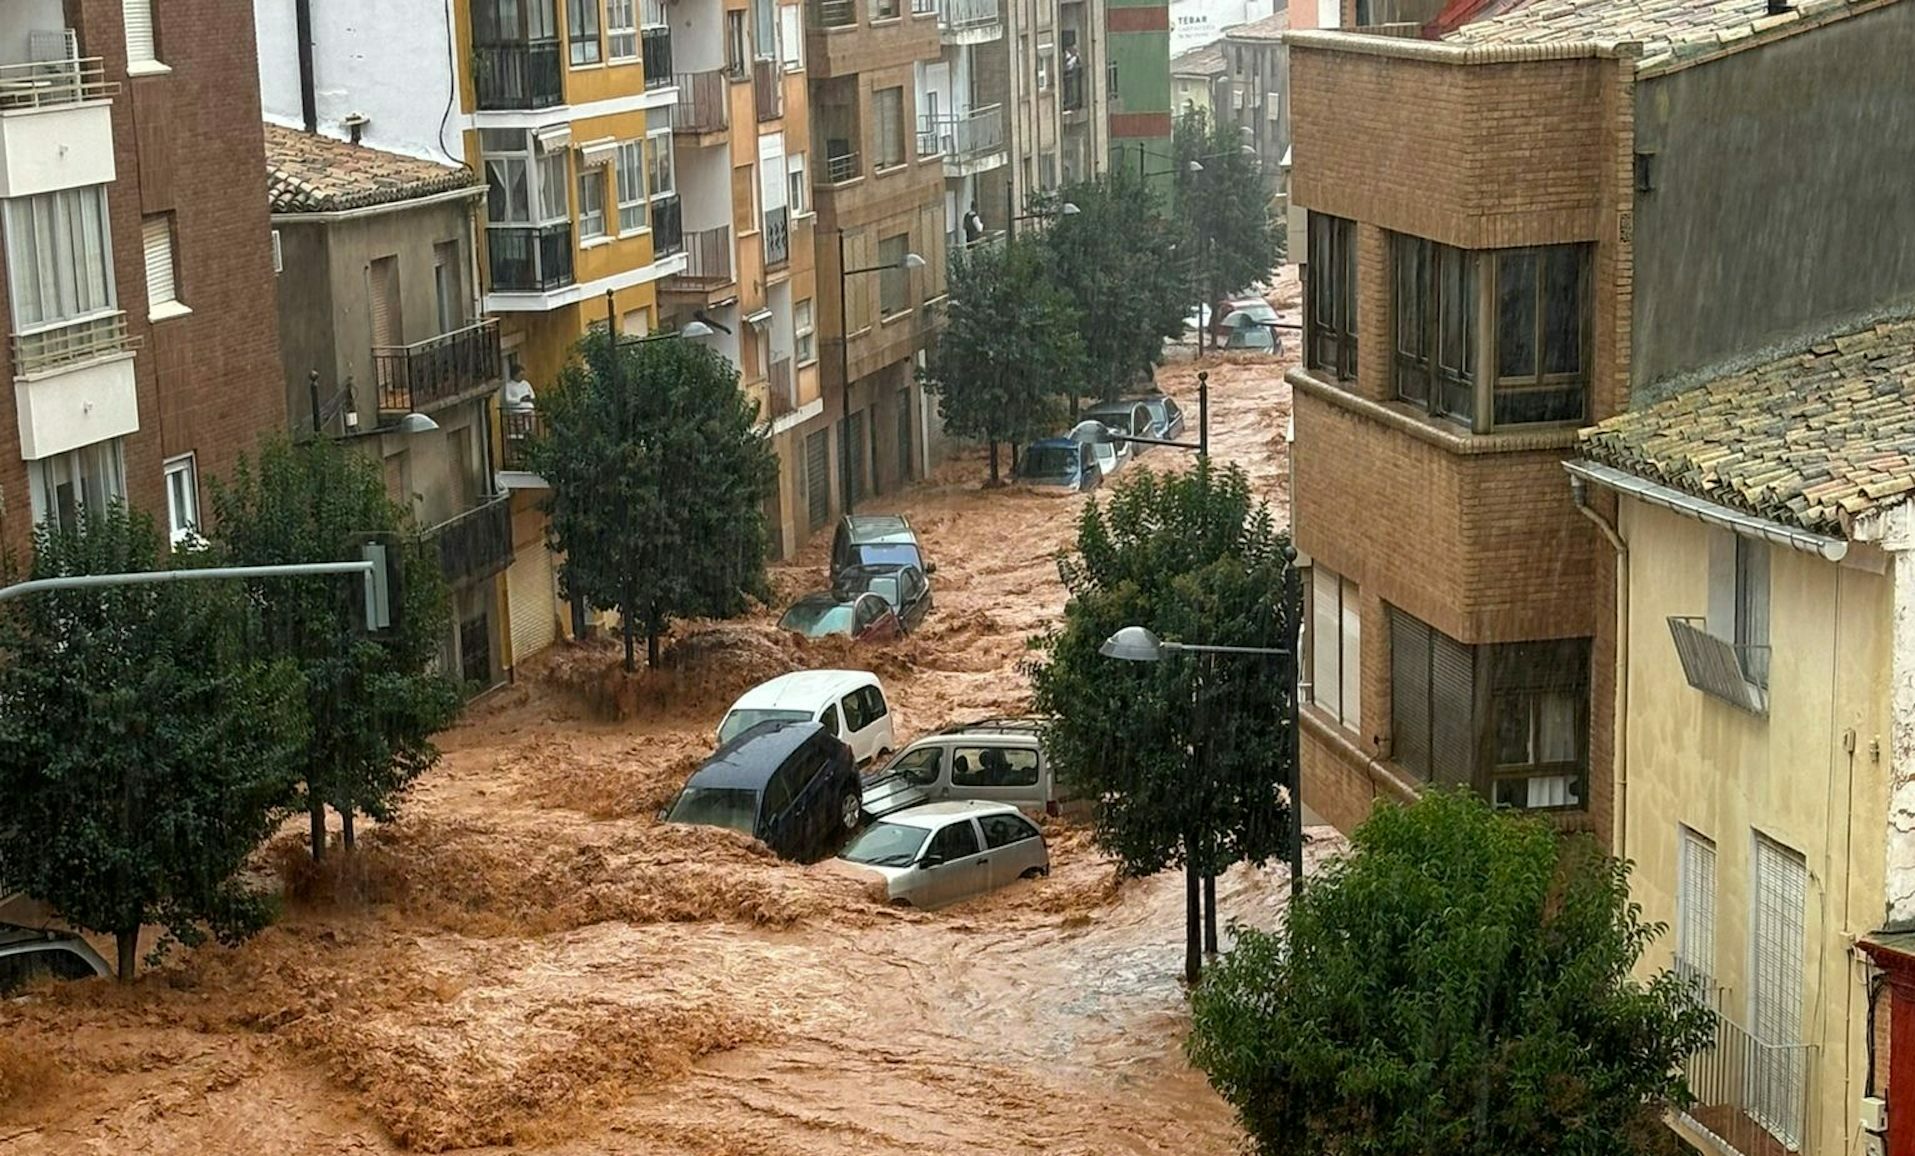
point(64, 486)
point(1541, 323)
point(1330, 296)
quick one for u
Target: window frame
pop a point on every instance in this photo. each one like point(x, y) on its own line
point(621, 27)
point(641, 204)
point(658, 143)
point(99, 298)
point(1330, 343)
point(1424, 300)
point(1753, 590)
point(182, 517)
point(140, 63)
point(42, 486)
point(1348, 648)
point(890, 129)
point(1540, 381)
point(894, 277)
point(584, 45)
point(804, 335)
point(1573, 656)
point(591, 181)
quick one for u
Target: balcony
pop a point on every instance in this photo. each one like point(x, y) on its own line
point(831, 13)
point(517, 75)
point(969, 21)
point(655, 50)
point(668, 226)
point(1073, 93)
point(707, 262)
point(971, 142)
point(704, 103)
point(781, 391)
point(412, 377)
point(476, 544)
point(1738, 675)
point(517, 429)
point(841, 167)
point(1751, 1096)
point(56, 126)
point(768, 89)
point(74, 384)
point(777, 237)
point(530, 259)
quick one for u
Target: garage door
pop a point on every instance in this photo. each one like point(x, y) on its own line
point(532, 592)
point(817, 479)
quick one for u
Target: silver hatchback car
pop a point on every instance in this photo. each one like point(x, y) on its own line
point(940, 853)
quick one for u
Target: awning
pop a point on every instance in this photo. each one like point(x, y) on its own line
point(758, 320)
point(554, 138)
point(598, 152)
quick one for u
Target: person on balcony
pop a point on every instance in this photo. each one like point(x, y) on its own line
point(973, 226)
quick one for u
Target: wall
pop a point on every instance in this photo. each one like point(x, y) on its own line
point(390, 60)
point(1195, 23)
point(1140, 108)
point(1817, 222)
point(1696, 761)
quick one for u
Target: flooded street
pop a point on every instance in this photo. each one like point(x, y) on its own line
point(527, 959)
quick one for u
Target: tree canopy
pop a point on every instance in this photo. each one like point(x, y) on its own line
point(1011, 349)
point(148, 744)
point(660, 471)
point(372, 705)
point(1459, 984)
point(1224, 208)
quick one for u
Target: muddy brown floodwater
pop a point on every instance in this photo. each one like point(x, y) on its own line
point(526, 959)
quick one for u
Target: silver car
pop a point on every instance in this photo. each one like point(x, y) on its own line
point(940, 853)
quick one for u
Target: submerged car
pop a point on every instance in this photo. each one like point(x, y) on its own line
point(876, 540)
point(903, 588)
point(861, 617)
point(942, 852)
point(1236, 313)
point(1129, 418)
point(1166, 417)
point(791, 786)
point(1105, 448)
point(31, 953)
point(1064, 462)
point(850, 704)
point(997, 760)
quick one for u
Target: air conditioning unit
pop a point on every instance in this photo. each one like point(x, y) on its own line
point(279, 261)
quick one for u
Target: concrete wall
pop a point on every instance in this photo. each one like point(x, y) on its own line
point(1696, 761)
point(390, 60)
point(1781, 200)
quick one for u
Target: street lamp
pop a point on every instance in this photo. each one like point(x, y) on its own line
point(1012, 216)
point(908, 262)
point(413, 422)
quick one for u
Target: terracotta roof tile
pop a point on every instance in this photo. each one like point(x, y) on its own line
point(307, 173)
point(1668, 30)
point(1271, 27)
point(1809, 439)
point(1205, 61)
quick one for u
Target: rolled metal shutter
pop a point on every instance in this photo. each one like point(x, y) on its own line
point(1410, 693)
point(818, 479)
point(531, 592)
point(1453, 715)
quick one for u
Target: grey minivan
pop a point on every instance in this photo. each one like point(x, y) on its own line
point(995, 760)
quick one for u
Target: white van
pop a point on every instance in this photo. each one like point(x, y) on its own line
point(849, 703)
point(997, 760)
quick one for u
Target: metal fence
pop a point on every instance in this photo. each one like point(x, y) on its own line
point(958, 15)
point(1751, 1095)
point(410, 376)
point(518, 74)
point(976, 133)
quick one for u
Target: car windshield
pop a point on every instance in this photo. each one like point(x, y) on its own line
point(1050, 462)
point(739, 721)
point(887, 845)
point(733, 807)
point(817, 619)
point(884, 586)
point(886, 554)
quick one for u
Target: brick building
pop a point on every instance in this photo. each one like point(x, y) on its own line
point(143, 346)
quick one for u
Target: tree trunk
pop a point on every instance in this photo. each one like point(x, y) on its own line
point(1013, 459)
point(994, 480)
point(1193, 931)
point(127, 944)
point(652, 629)
point(625, 628)
point(316, 811)
point(1210, 915)
point(345, 825)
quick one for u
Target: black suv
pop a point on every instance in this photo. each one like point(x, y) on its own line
point(875, 540)
point(792, 786)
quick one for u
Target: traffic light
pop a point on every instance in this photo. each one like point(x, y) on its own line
point(384, 602)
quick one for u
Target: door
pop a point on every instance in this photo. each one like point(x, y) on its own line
point(385, 302)
point(997, 772)
point(811, 812)
point(914, 596)
point(910, 779)
point(817, 480)
point(906, 461)
point(857, 727)
point(958, 864)
point(532, 594)
point(874, 718)
point(1014, 847)
point(1779, 1063)
point(776, 815)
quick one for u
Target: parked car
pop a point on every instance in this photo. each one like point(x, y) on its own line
point(1109, 452)
point(997, 760)
point(1131, 418)
point(876, 540)
point(903, 589)
point(850, 703)
point(863, 617)
point(1166, 416)
point(1063, 462)
point(1230, 315)
point(940, 853)
point(28, 953)
point(792, 786)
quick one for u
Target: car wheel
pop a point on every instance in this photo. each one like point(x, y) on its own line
point(851, 810)
point(1033, 873)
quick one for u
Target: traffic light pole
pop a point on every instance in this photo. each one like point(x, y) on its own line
point(148, 577)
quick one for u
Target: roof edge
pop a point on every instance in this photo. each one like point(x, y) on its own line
point(1804, 17)
point(1451, 52)
point(377, 208)
point(1703, 510)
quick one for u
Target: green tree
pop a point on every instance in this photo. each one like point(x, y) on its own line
point(373, 705)
point(1185, 757)
point(660, 471)
point(146, 747)
point(1459, 984)
point(1233, 238)
point(1011, 349)
point(1113, 257)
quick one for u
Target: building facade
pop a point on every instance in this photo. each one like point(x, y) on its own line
point(143, 346)
point(380, 321)
point(1256, 91)
point(1197, 80)
point(1138, 80)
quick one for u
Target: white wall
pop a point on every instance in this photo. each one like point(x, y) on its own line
point(704, 186)
point(19, 18)
point(386, 59)
point(1195, 23)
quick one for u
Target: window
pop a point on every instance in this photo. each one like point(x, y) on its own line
point(1335, 653)
point(1331, 295)
point(1541, 318)
point(994, 767)
point(919, 767)
point(735, 44)
point(59, 258)
point(1539, 705)
point(382, 296)
point(884, 10)
point(1435, 326)
point(894, 280)
point(1047, 170)
point(1432, 702)
point(581, 30)
point(1775, 997)
point(447, 285)
point(791, 38)
point(1695, 911)
point(799, 187)
point(1046, 65)
point(64, 485)
point(1004, 830)
point(182, 498)
point(660, 176)
point(874, 707)
point(621, 29)
point(855, 718)
point(591, 202)
point(958, 841)
point(141, 41)
point(631, 186)
point(888, 106)
point(162, 289)
point(508, 176)
point(805, 340)
point(829, 720)
point(1752, 609)
point(555, 201)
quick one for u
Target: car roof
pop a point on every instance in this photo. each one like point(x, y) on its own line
point(751, 758)
point(931, 816)
point(1125, 406)
point(1089, 429)
point(996, 726)
point(821, 598)
point(873, 528)
point(13, 935)
point(803, 688)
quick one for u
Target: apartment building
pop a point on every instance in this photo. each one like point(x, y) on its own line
point(1085, 70)
point(1197, 80)
point(141, 341)
point(1141, 116)
point(881, 238)
point(383, 344)
point(1256, 91)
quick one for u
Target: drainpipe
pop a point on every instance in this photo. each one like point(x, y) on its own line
point(308, 96)
point(1579, 493)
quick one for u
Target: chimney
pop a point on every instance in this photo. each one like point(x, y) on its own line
point(1778, 7)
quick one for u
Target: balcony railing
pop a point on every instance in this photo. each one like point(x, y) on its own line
point(930, 141)
point(517, 429)
point(969, 136)
point(72, 343)
point(411, 376)
point(1738, 675)
point(704, 102)
point(1751, 1095)
point(960, 15)
point(530, 258)
point(668, 226)
point(841, 167)
point(781, 388)
point(655, 49)
point(478, 543)
point(923, 7)
point(518, 74)
point(777, 236)
point(48, 83)
point(707, 260)
point(833, 13)
point(768, 89)
point(1074, 90)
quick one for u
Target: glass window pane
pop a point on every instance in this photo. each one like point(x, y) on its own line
point(1352, 656)
point(1513, 731)
point(1556, 727)
point(1516, 314)
point(1326, 685)
point(1563, 310)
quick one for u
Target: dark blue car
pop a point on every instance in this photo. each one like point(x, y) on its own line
point(792, 786)
point(1063, 462)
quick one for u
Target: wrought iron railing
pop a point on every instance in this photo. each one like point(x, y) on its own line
point(518, 74)
point(768, 89)
point(969, 135)
point(668, 226)
point(782, 390)
point(923, 7)
point(1750, 1094)
point(517, 429)
point(655, 50)
point(704, 102)
point(1736, 674)
point(529, 258)
point(833, 13)
point(410, 376)
point(478, 543)
point(707, 260)
point(930, 141)
point(49, 83)
point(959, 15)
point(777, 236)
point(69, 343)
point(841, 167)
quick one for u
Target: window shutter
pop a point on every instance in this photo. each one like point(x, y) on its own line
point(1410, 693)
point(1326, 687)
point(156, 234)
point(1696, 905)
point(1352, 662)
point(385, 302)
point(1781, 886)
point(140, 47)
point(1452, 711)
